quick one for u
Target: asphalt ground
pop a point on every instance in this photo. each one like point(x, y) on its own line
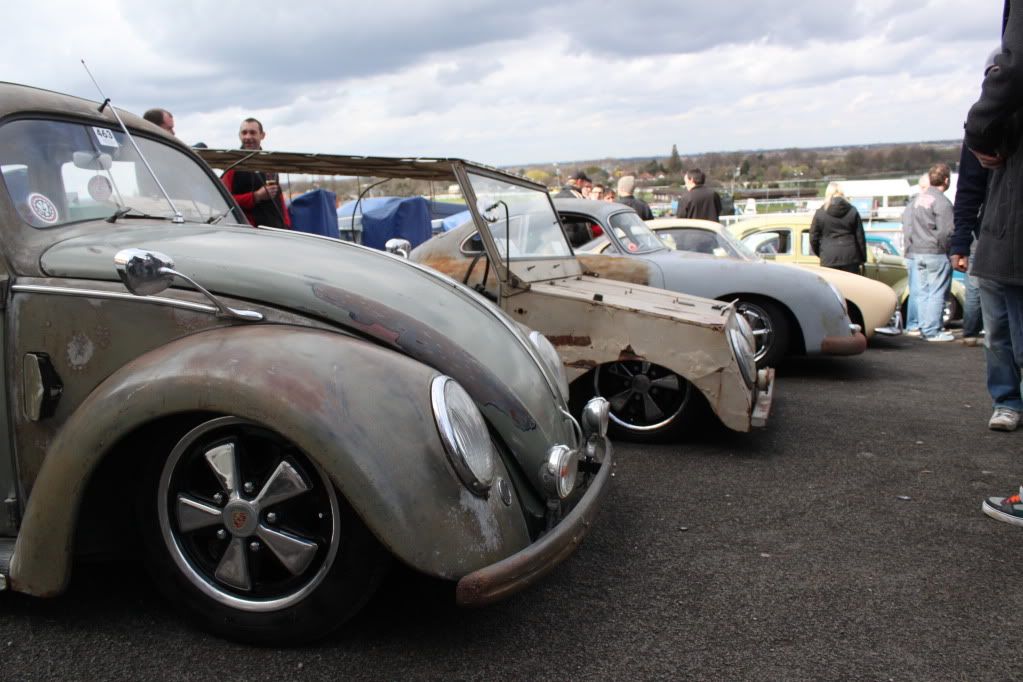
point(844, 541)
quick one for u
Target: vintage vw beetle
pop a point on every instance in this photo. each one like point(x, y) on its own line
point(282, 413)
point(659, 357)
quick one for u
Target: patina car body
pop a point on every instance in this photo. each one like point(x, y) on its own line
point(281, 413)
point(791, 311)
point(649, 351)
point(871, 304)
point(785, 238)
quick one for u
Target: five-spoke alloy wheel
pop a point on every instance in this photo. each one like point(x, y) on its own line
point(770, 330)
point(258, 533)
point(647, 401)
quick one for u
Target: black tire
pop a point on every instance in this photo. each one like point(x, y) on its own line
point(649, 403)
point(770, 327)
point(263, 564)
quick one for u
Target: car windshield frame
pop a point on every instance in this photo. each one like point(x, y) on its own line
point(59, 171)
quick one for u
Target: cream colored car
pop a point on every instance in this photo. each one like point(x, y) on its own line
point(872, 305)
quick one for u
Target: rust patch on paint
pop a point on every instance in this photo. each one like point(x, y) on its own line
point(629, 354)
point(409, 335)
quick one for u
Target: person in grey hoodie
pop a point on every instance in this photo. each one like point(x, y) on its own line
point(836, 233)
point(927, 226)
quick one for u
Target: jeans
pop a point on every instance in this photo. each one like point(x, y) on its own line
point(1002, 305)
point(933, 278)
point(973, 321)
point(912, 319)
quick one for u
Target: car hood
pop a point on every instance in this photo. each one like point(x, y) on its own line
point(395, 303)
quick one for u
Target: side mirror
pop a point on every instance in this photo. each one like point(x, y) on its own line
point(144, 273)
point(877, 251)
point(398, 247)
point(719, 252)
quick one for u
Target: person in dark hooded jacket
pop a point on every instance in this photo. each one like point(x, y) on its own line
point(836, 233)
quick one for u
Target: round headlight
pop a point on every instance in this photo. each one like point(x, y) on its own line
point(464, 434)
point(740, 337)
point(552, 360)
point(559, 471)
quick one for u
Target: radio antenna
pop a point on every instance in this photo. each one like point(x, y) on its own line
point(178, 218)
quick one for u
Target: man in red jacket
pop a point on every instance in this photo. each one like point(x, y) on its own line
point(258, 194)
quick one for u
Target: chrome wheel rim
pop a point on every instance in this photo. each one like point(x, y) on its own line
point(642, 396)
point(760, 323)
point(249, 519)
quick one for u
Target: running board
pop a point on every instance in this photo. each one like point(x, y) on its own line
point(6, 552)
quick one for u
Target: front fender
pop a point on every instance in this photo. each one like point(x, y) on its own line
point(363, 413)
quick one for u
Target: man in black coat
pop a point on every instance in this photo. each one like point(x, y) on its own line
point(993, 135)
point(700, 201)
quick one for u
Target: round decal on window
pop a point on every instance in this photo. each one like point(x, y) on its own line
point(99, 188)
point(42, 208)
point(631, 246)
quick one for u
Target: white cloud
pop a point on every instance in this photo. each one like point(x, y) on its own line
point(507, 83)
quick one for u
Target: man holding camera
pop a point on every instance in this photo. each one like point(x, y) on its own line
point(258, 194)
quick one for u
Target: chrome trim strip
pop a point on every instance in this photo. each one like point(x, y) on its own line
point(113, 295)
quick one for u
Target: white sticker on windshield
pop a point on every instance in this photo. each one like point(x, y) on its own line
point(105, 137)
point(42, 208)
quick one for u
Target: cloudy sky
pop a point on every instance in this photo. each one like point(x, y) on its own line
point(510, 83)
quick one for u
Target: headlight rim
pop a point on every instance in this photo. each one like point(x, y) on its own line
point(543, 347)
point(744, 356)
point(476, 482)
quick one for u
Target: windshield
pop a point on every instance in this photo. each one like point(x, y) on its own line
point(740, 249)
point(634, 235)
point(535, 230)
point(57, 172)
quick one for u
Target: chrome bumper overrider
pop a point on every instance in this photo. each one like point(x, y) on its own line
point(765, 394)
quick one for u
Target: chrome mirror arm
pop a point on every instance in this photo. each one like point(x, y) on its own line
point(225, 311)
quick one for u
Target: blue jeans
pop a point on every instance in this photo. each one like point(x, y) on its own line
point(912, 319)
point(973, 322)
point(1002, 305)
point(933, 278)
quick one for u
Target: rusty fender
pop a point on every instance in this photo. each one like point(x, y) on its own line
point(362, 412)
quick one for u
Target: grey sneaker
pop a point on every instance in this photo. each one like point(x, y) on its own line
point(913, 332)
point(941, 337)
point(1008, 509)
point(1003, 419)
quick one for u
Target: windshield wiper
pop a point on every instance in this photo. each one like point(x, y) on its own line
point(129, 212)
point(214, 219)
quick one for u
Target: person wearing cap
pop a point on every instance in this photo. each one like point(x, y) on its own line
point(626, 187)
point(574, 187)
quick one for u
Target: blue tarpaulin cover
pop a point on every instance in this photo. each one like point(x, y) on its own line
point(408, 218)
point(314, 212)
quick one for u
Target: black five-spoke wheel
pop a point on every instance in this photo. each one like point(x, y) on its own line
point(647, 401)
point(257, 532)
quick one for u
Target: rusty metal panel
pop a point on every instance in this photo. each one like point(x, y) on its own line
point(397, 479)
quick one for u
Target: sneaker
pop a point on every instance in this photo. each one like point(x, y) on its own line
point(973, 341)
point(1008, 509)
point(941, 337)
point(912, 332)
point(1003, 419)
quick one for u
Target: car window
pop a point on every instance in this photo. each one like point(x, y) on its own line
point(770, 242)
point(804, 244)
point(633, 234)
point(57, 172)
point(522, 216)
point(689, 239)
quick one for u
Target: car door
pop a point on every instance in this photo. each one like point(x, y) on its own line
point(9, 493)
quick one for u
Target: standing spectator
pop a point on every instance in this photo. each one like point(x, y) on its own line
point(912, 318)
point(574, 187)
point(609, 196)
point(699, 201)
point(836, 233)
point(970, 191)
point(597, 192)
point(258, 194)
point(626, 188)
point(162, 118)
point(992, 134)
point(927, 226)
